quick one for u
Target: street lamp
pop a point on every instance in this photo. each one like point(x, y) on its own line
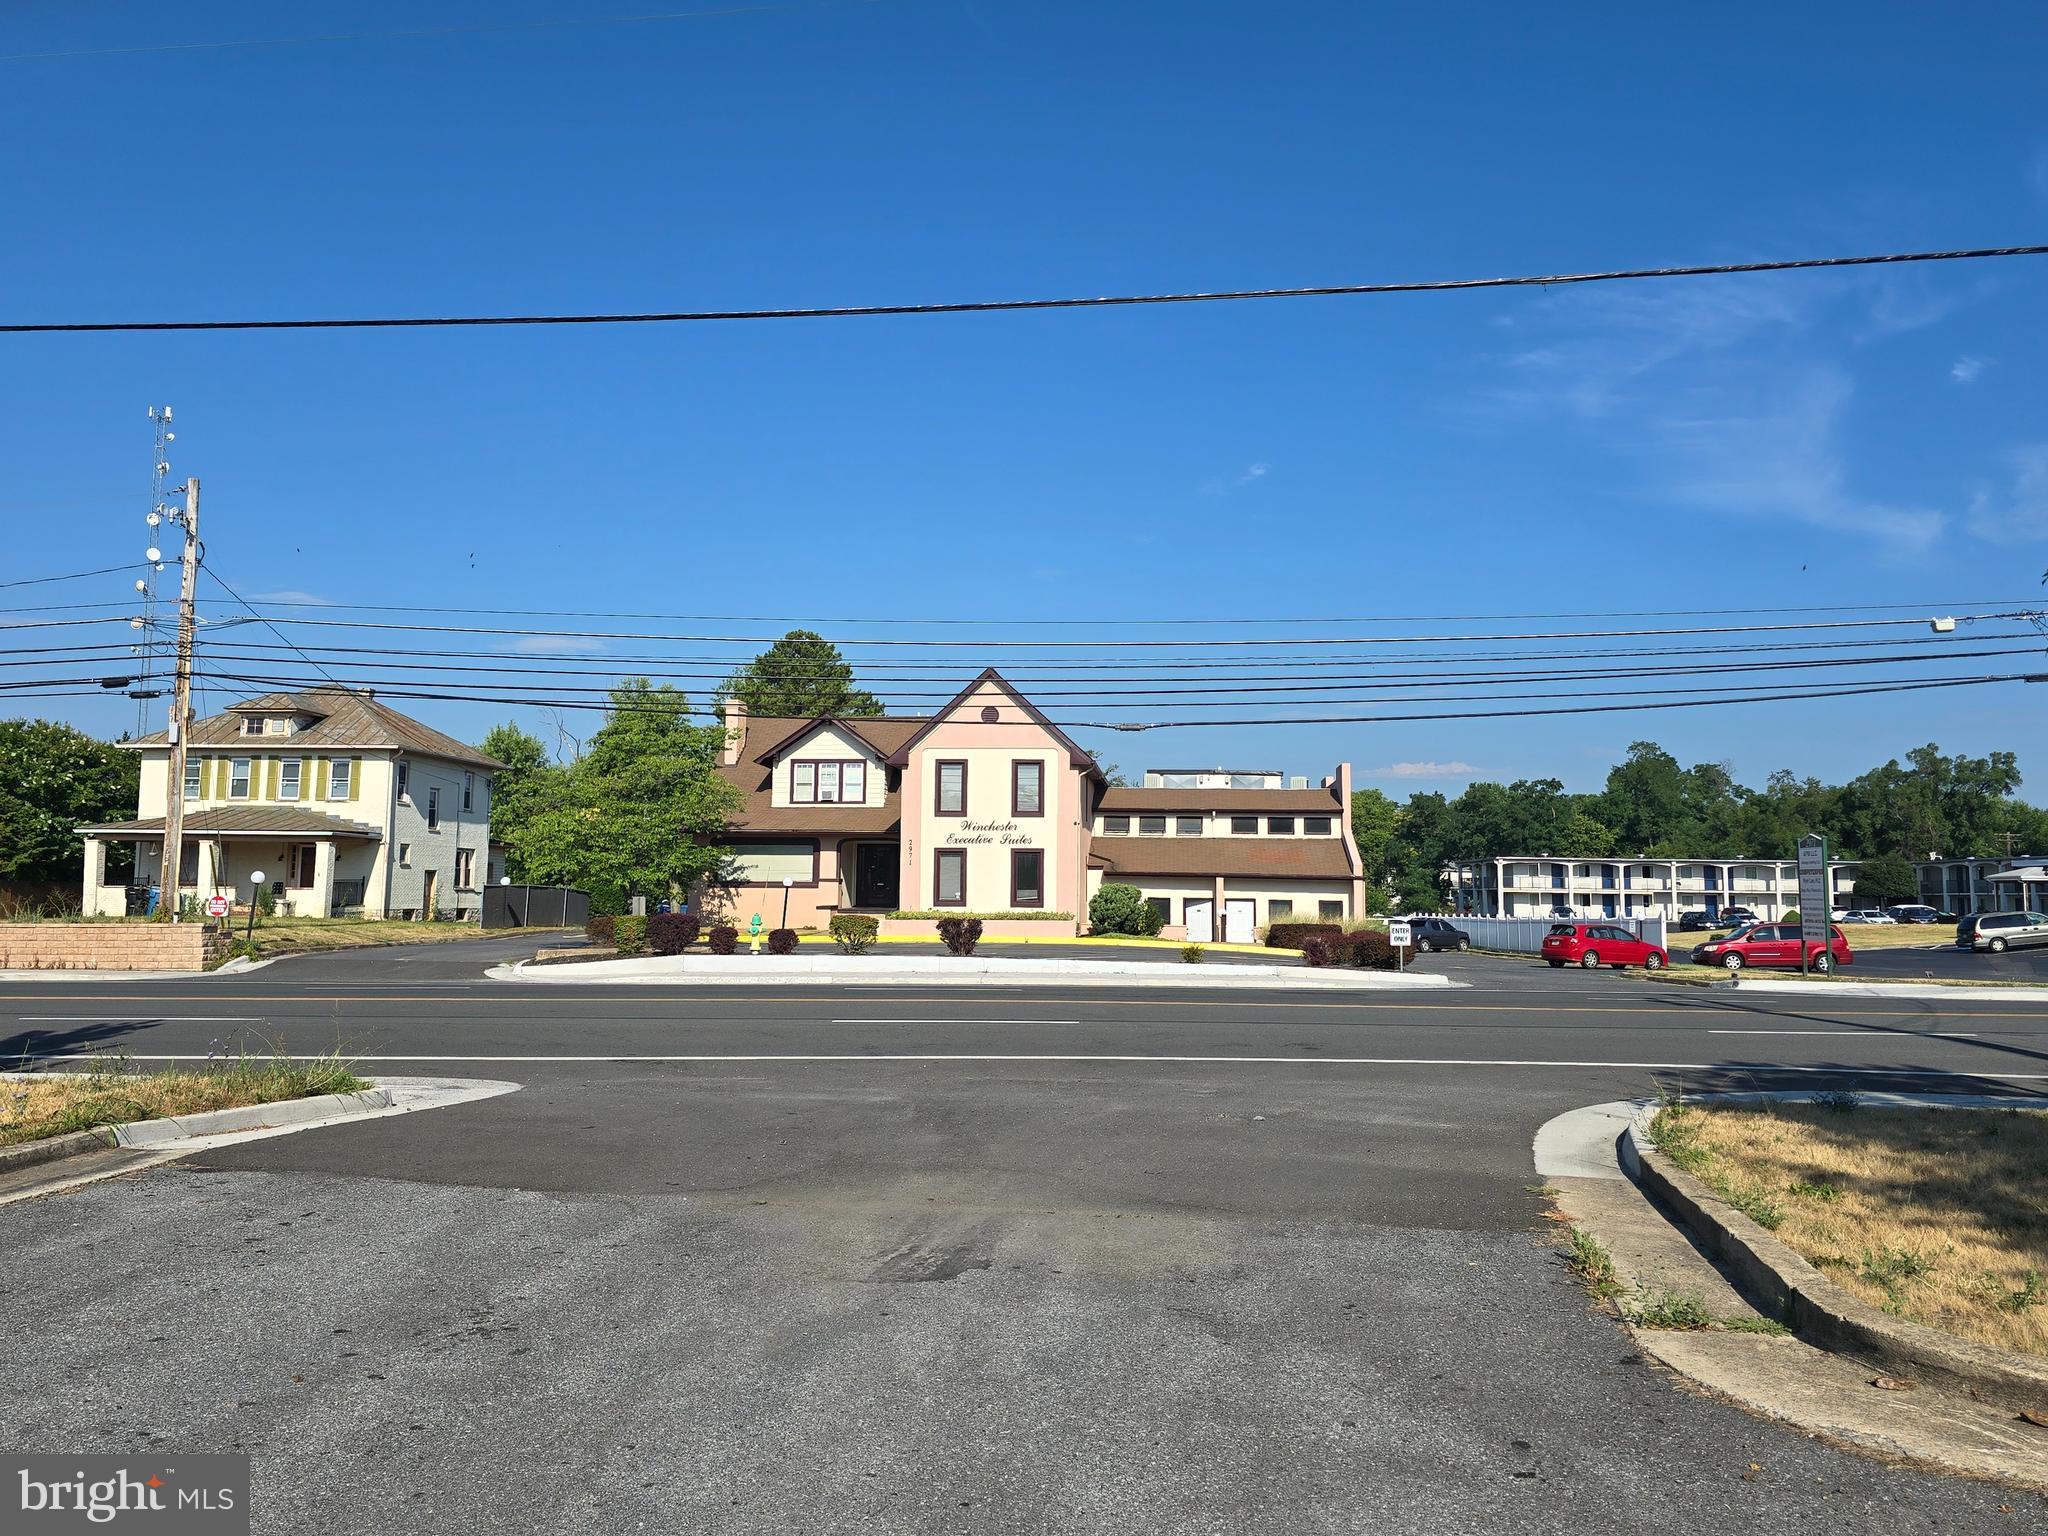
point(255, 885)
point(785, 901)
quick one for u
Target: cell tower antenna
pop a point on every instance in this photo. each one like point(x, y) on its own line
point(147, 646)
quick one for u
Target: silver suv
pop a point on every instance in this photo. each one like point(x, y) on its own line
point(2000, 931)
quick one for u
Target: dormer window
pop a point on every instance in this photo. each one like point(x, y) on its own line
point(252, 725)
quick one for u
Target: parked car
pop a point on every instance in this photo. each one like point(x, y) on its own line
point(1997, 932)
point(1870, 915)
point(1562, 912)
point(1596, 944)
point(1913, 912)
point(1838, 914)
point(1772, 944)
point(1692, 922)
point(1434, 933)
point(1735, 917)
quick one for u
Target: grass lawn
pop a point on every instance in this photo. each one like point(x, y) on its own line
point(1939, 1216)
point(36, 1105)
point(290, 935)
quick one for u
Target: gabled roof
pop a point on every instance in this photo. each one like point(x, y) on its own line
point(753, 775)
point(1075, 755)
point(348, 718)
point(880, 734)
point(280, 820)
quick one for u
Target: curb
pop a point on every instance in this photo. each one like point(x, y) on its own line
point(939, 971)
point(28, 1154)
point(1789, 1288)
point(152, 1133)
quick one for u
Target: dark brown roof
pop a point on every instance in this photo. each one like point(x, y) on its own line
point(285, 820)
point(1076, 755)
point(1259, 800)
point(766, 735)
point(1301, 858)
point(349, 717)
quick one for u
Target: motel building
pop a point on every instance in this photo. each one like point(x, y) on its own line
point(988, 807)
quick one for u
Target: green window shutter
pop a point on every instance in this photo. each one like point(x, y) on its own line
point(270, 778)
point(320, 778)
point(218, 790)
point(355, 778)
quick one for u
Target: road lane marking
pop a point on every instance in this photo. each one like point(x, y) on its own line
point(143, 1018)
point(1076, 1023)
point(1750, 1067)
point(1859, 1034)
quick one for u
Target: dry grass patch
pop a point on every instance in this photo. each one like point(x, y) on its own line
point(1939, 1216)
point(39, 1104)
point(287, 935)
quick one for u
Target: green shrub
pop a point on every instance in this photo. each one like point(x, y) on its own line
point(1191, 953)
point(960, 934)
point(854, 932)
point(1118, 908)
point(1292, 935)
point(629, 935)
point(781, 941)
point(670, 933)
point(599, 931)
point(1032, 916)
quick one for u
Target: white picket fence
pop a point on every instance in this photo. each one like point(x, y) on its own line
point(1524, 935)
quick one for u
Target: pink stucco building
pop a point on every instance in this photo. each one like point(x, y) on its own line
point(988, 807)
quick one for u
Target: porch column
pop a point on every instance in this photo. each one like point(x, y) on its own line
point(1216, 928)
point(323, 877)
point(95, 869)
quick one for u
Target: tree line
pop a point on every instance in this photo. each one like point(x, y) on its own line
point(1890, 817)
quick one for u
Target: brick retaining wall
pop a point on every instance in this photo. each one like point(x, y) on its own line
point(137, 946)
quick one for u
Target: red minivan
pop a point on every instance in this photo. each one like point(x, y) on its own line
point(1597, 944)
point(1773, 944)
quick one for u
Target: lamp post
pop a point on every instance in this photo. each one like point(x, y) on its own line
point(785, 901)
point(255, 885)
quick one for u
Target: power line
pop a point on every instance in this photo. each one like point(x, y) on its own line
point(221, 582)
point(38, 581)
point(993, 306)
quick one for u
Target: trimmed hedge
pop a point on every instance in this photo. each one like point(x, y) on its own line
point(854, 932)
point(670, 933)
point(1291, 935)
point(599, 931)
point(723, 939)
point(1032, 916)
point(629, 935)
point(1367, 950)
point(781, 941)
point(960, 934)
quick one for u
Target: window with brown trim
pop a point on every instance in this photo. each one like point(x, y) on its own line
point(1329, 909)
point(1244, 826)
point(1279, 907)
point(1187, 826)
point(949, 788)
point(1163, 905)
point(1116, 826)
point(1027, 787)
point(1027, 877)
point(949, 877)
point(1279, 825)
point(1316, 826)
point(1152, 826)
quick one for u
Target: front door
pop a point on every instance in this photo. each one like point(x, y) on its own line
point(1237, 922)
point(875, 873)
point(429, 891)
point(1201, 922)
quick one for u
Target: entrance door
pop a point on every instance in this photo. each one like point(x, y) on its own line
point(875, 876)
point(1237, 922)
point(305, 859)
point(1201, 917)
point(429, 891)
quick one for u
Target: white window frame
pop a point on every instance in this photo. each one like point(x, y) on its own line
point(828, 783)
point(853, 783)
point(465, 869)
point(340, 777)
point(291, 777)
point(803, 783)
point(195, 776)
point(239, 769)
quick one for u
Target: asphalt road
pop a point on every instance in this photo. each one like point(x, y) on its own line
point(903, 1260)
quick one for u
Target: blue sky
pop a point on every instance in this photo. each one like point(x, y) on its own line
point(1817, 438)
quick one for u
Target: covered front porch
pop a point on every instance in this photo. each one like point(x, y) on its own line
point(311, 865)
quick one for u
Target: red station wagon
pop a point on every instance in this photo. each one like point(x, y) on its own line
point(1597, 944)
point(1772, 944)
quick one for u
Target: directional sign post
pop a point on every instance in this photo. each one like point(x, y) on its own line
point(1815, 900)
point(1400, 935)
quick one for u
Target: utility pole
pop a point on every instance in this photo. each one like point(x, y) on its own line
point(171, 866)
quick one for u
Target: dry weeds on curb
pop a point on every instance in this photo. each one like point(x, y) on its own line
point(1938, 1216)
point(113, 1091)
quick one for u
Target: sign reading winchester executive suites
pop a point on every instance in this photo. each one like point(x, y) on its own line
point(180, 1496)
point(1006, 834)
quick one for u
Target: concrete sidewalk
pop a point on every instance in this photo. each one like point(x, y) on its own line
point(944, 970)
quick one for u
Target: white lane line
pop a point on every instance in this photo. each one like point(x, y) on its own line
point(855, 1059)
point(1865, 1034)
point(1074, 1022)
point(142, 1018)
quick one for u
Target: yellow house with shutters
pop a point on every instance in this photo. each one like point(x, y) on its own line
point(342, 804)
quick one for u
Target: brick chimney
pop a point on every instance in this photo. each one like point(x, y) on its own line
point(735, 731)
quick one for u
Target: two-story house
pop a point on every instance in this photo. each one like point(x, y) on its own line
point(343, 804)
point(987, 806)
